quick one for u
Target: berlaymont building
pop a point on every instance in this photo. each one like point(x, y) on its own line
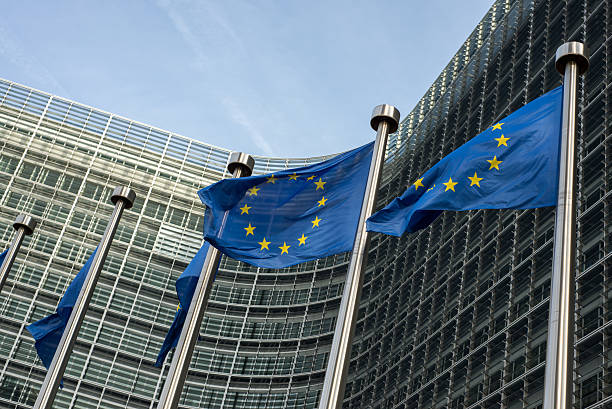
point(454, 316)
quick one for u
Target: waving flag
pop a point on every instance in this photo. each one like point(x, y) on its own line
point(514, 164)
point(288, 217)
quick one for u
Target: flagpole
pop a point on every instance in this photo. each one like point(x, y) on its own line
point(385, 120)
point(123, 198)
point(24, 225)
point(571, 60)
point(240, 165)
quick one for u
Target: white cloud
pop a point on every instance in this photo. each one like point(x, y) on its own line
point(238, 115)
point(185, 31)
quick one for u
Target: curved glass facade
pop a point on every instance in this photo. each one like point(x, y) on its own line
point(454, 316)
point(59, 161)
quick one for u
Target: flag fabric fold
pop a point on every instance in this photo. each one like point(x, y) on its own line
point(288, 217)
point(185, 287)
point(514, 164)
point(48, 331)
point(3, 256)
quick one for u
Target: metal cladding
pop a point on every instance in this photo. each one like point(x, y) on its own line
point(454, 316)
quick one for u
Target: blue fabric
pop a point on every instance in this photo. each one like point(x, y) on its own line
point(48, 331)
point(288, 217)
point(527, 143)
point(3, 256)
point(185, 287)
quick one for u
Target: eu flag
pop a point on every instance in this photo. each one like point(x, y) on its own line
point(48, 331)
point(514, 164)
point(288, 217)
point(185, 287)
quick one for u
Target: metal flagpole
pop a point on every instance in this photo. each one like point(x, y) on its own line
point(571, 60)
point(24, 225)
point(385, 120)
point(240, 164)
point(123, 198)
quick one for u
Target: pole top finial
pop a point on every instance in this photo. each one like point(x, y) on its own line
point(387, 113)
point(125, 194)
point(27, 222)
point(241, 160)
point(572, 51)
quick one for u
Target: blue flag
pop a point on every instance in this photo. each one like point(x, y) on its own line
point(288, 217)
point(48, 331)
point(3, 256)
point(512, 165)
point(185, 287)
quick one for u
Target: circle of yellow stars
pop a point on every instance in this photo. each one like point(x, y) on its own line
point(264, 243)
point(474, 180)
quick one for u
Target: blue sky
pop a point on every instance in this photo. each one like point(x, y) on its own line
point(279, 78)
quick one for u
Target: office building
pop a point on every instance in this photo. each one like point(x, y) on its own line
point(454, 316)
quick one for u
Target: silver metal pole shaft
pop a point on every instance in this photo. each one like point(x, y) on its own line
point(123, 198)
point(572, 60)
point(240, 165)
point(24, 225)
point(385, 120)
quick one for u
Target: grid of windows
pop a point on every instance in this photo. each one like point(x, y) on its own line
point(454, 316)
point(59, 161)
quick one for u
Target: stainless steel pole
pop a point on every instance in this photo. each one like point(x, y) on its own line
point(24, 225)
point(385, 120)
point(571, 60)
point(123, 198)
point(240, 164)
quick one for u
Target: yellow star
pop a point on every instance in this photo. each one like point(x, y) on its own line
point(264, 244)
point(450, 185)
point(497, 126)
point(431, 188)
point(271, 179)
point(294, 176)
point(311, 177)
point(418, 183)
point(475, 180)
point(245, 209)
point(253, 191)
point(249, 229)
point(284, 248)
point(322, 201)
point(178, 307)
point(494, 163)
point(502, 141)
point(315, 222)
point(320, 184)
point(302, 240)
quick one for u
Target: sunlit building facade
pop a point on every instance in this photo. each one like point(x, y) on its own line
point(454, 316)
point(59, 161)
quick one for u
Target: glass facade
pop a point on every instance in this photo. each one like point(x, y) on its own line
point(454, 316)
point(59, 161)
